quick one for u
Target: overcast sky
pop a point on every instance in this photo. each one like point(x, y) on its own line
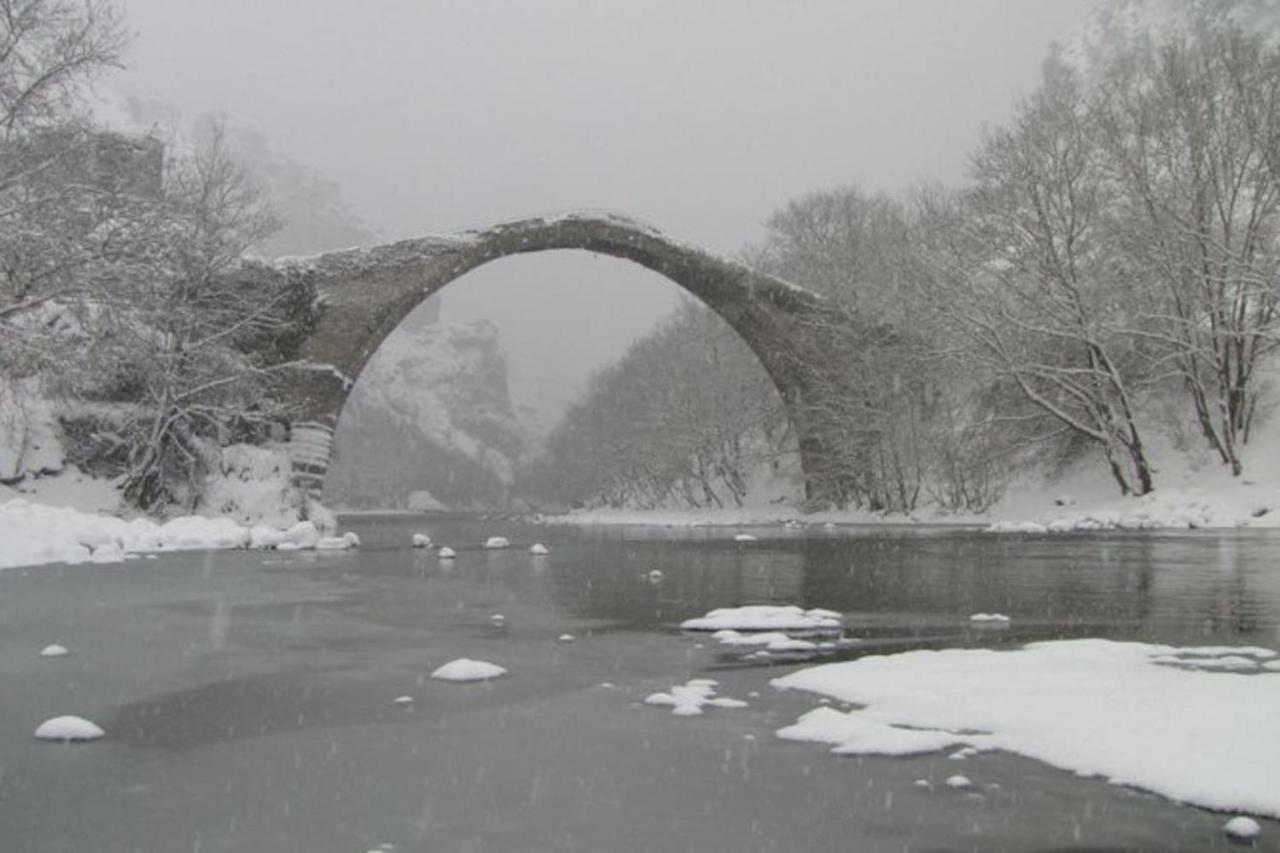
point(698, 116)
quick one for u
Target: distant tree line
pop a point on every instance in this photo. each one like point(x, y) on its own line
point(1111, 268)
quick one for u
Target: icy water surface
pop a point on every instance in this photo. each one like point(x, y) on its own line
point(248, 697)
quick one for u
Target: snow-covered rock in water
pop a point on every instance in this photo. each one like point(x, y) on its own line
point(402, 701)
point(744, 537)
point(566, 638)
point(334, 543)
point(352, 539)
point(304, 534)
point(498, 619)
point(494, 542)
point(53, 650)
point(446, 553)
point(959, 781)
point(655, 576)
point(687, 700)
point(766, 617)
point(1242, 828)
point(465, 669)
point(997, 618)
point(289, 546)
point(68, 728)
point(421, 540)
point(539, 550)
point(1093, 707)
point(262, 537)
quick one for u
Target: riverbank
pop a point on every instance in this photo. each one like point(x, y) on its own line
point(1193, 491)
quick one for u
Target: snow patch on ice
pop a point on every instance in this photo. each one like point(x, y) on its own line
point(766, 617)
point(1095, 707)
point(688, 699)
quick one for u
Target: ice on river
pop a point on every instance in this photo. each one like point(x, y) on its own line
point(774, 641)
point(465, 669)
point(68, 728)
point(687, 700)
point(1196, 734)
point(765, 617)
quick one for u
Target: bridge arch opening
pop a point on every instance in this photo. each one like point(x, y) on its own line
point(368, 293)
point(430, 422)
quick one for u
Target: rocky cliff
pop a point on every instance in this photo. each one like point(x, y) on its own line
point(431, 413)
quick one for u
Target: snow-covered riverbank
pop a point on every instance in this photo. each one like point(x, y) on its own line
point(1192, 491)
point(33, 533)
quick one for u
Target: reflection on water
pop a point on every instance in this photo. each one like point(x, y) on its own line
point(896, 586)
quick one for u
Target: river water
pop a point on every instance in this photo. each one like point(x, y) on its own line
point(248, 696)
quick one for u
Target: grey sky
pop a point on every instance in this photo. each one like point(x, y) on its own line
point(699, 116)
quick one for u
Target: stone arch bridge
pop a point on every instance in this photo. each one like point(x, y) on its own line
point(366, 293)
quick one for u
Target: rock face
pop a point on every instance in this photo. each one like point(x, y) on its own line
point(430, 413)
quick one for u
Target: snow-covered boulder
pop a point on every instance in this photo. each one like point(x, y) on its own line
point(1242, 828)
point(261, 536)
point(192, 531)
point(446, 553)
point(68, 728)
point(496, 542)
point(465, 669)
point(421, 540)
point(54, 650)
point(303, 534)
point(538, 550)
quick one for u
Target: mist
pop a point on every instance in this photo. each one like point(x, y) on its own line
point(700, 119)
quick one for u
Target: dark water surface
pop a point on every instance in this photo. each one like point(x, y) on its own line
point(247, 696)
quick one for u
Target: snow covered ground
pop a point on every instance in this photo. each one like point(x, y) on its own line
point(33, 533)
point(1196, 725)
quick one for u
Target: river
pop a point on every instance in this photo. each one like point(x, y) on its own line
point(248, 696)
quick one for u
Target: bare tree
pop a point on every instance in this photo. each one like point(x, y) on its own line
point(1193, 139)
point(1029, 287)
point(49, 50)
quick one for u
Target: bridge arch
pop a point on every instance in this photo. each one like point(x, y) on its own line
point(366, 293)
